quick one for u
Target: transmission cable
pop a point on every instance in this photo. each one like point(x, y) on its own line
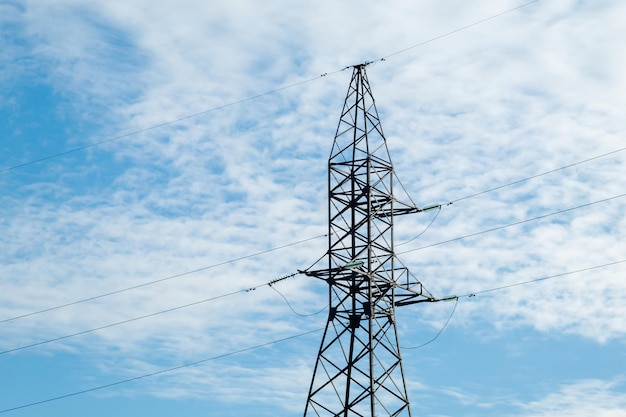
point(234, 103)
point(145, 284)
point(513, 224)
point(534, 176)
point(478, 22)
point(456, 302)
point(146, 129)
point(56, 339)
point(269, 250)
point(423, 231)
point(163, 371)
point(537, 175)
point(517, 284)
point(292, 309)
point(456, 298)
point(169, 310)
point(508, 185)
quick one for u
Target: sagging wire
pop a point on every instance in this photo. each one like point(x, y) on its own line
point(291, 307)
point(515, 223)
point(145, 284)
point(456, 298)
point(425, 230)
point(272, 285)
point(456, 302)
point(169, 310)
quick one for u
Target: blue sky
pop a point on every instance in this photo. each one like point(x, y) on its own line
point(522, 94)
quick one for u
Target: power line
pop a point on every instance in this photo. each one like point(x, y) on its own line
point(456, 302)
point(169, 310)
point(292, 309)
point(478, 22)
point(456, 298)
point(423, 231)
point(145, 284)
point(513, 224)
point(180, 119)
point(291, 275)
point(271, 285)
point(508, 185)
point(517, 284)
point(234, 103)
point(537, 175)
point(163, 371)
point(247, 256)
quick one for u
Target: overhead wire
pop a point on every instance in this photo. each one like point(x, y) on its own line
point(169, 310)
point(291, 307)
point(253, 97)
point(513, 224)
point(503, 287)
point(423, 231)
point(517, 284)
point(271, 283)
point(212, 266)
point(163, 371)
point(145, 284)
point(537, 175)
point(507, 185)
point(476, 23)
point(504, 186)
point(160, 372)
point(159, 125)
point(456, 302)
point(274, 281)
point(119, 323)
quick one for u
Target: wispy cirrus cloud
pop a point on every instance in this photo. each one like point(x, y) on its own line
point(581, 398)
point(518, 95)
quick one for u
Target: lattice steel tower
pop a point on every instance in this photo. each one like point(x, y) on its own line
point(359, 371)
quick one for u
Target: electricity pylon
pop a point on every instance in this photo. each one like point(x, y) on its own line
point(359, 371)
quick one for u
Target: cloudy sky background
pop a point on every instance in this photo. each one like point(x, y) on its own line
point(206, 168)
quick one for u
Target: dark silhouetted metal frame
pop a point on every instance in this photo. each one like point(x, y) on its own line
point(359, 371)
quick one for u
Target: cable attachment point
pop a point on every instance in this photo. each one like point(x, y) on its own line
point(282, 278)
point(431, 207)
point(353, 265)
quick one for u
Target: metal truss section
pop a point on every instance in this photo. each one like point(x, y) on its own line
point(359, 371)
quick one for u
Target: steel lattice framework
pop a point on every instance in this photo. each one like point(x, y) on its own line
point(359, 371)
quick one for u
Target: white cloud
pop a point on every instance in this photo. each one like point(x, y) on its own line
point(527, 92)
point(579, 399)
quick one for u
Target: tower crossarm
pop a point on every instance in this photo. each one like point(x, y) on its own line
point(405, 292)
point(412, 295)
